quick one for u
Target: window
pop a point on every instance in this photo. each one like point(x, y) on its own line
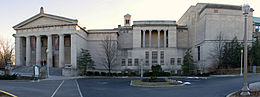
point(215, 11)
point(126, 21)
point(154, 57)
point(198, 53)
point(136, 62)
point(129, 62)
point(142, 39)
point(123, 62)
point(172, 61)
point(179, 61)
point(147, 58)
point(167, 43)
point(129, 54)
point(162, 58)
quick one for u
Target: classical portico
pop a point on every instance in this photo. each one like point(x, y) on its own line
point(46, 39)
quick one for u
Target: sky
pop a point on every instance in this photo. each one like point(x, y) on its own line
point(101, 14)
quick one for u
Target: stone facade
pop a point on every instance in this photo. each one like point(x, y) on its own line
point(147, 42)
point(205, 22)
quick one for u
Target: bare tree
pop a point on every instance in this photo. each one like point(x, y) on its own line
point(110, 53)
point(6, 52)
point(217, 51)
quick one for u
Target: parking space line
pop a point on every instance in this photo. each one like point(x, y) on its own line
point(57, 89)
point(78, 88)
point(8, 93)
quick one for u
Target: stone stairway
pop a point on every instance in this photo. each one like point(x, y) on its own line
point(28, 70)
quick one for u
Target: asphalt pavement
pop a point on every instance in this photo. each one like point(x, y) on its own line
point(120, 87)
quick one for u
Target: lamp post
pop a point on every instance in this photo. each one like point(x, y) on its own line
point(142, 69)
point(245, 89)
point(48, 73)
point(241, 63)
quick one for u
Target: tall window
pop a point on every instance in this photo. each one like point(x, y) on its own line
point(154, 57)
point(179, 61)
point(130, 62)
point(142, 39)
point(33, 44)
point(126, 21)
point(147, 58)
point(162, 58)
point(136, 62)
point(198, 53)
point(172, 61)
point(123, 62)
point(167, 38)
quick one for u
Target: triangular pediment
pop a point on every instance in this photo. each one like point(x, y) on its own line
point(42, 20)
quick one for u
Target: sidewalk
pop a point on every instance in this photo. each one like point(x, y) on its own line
point(61, 78)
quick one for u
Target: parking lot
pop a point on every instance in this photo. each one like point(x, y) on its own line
point(120, 87)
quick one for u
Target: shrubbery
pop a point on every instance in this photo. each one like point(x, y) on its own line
point(8, 77)
point(147, 74)
point(156, 71)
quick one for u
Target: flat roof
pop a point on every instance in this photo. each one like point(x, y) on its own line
point(221, 6)
point(155, 23)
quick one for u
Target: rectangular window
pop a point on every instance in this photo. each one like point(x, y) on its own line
point(123, 62)
point(130, 62)
point(126, 21)
point(154, 57)
point(179, 61)
point(142, 39)
point(129, 54)
point(136, 62)
point(162, 58)
point(215, 11)
point(198, 53)
point(167, 38)
point(172, 61)
point(147, 58)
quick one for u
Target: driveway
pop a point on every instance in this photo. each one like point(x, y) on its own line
point(119, 87)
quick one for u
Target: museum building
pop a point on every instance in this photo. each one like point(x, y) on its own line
point(58, 40)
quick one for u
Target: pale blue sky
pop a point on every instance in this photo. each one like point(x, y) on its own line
point(95, 14)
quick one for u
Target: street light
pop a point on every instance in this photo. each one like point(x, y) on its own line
point(241, 63)
point(142, 69)
point(245, 89)
point(48, 73)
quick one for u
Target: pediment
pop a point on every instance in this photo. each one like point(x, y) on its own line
point(42, 20)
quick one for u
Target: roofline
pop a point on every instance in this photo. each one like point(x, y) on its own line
point(221, 6)
point(155, 21)
point(43, 14)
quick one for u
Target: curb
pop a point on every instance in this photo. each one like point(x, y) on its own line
point(131, 84)
point(66, 78)
point(231, 94)
point(8, 93)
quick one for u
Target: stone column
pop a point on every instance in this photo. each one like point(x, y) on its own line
point(73, 49)
point(38, 50)
point(150, 38)
point(164, 39)
point(28, 50)
point(18, 55)
point(143, 38)
point(61, 50)
point(49, 54)
point(158, 39)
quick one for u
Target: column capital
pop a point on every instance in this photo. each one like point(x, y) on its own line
point(38, 36)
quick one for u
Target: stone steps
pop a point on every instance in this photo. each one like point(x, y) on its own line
point(29, 70)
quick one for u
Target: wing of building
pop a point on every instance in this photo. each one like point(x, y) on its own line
point(59, 40)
